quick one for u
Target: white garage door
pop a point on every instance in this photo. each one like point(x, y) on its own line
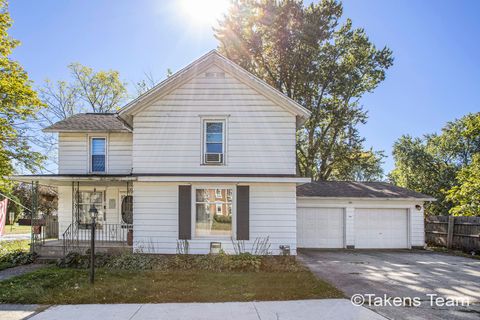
point(381, 228)
point(320, 227)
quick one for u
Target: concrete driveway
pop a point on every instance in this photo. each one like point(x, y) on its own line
point(406, 274)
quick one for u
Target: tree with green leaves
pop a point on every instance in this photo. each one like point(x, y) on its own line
point(465, 196)
point(47, 200)
point(18, 105)
point(304, 52)
point(438, 164)
point(416, 168)
point(87, 91)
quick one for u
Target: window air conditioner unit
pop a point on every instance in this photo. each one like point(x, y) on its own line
point(213, 157)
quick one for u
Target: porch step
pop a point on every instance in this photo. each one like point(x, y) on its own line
point(47, 260)
point(49, 252)
point(54, 249)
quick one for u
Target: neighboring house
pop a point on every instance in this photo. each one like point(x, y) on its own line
point(208, 155)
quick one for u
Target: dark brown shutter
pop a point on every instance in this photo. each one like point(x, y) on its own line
point(243, 212)
point(184, 212)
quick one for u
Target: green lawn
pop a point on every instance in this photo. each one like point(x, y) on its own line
point(8, 246)
point(13, 229)
point(55, 285)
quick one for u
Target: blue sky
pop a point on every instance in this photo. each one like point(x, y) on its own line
point(435, 77)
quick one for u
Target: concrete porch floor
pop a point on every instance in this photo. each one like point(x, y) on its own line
point(86, 243)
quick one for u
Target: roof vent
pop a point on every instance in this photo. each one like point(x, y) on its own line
point(217, 75)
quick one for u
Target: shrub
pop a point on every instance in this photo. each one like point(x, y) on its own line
point(222, 219)
point(243, 262)
point(16, 258)
point(15, 253)
point(133, 261)
point(82, 261)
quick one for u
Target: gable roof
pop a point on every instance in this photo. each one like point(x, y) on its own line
point(99, 122)
point(201, 64)
point(353, 189)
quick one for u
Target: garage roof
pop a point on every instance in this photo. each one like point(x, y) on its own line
point(354, 189)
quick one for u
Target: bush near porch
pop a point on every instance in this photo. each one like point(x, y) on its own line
point(140, 278)
point(243, 262)
point(15, 253)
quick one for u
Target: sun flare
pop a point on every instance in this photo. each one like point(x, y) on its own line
point(203, 11)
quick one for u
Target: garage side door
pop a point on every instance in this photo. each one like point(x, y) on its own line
point(381, 228)
point(320, 227)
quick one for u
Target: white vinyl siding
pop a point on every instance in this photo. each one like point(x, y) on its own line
point(120, 153)
point(73, 153)
point(417, 227)
point(155, 219)
point(64, 212)
point(260, 138)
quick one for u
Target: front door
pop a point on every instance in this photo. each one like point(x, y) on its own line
point(126, 208)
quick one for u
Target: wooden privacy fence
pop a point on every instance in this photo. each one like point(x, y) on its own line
point(51, 227)
point(460, 233)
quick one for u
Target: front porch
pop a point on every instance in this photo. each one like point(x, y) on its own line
point(109, 197)
point(54, 248)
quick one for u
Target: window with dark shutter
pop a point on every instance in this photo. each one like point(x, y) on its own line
point(184, 212)
point(243, 213)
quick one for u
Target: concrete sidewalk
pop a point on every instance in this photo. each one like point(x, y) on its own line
point(300, 309)
point(17, 236)
point(18, 311)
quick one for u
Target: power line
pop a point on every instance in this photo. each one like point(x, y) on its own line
point(21, 205)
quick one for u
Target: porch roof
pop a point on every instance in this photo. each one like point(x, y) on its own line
point(98, 179)
point(67, 179)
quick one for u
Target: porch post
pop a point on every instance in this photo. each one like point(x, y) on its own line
point(33, 216)
point(73, 200)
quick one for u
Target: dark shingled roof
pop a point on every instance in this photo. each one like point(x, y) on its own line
point(100, 122)
point(352, 189)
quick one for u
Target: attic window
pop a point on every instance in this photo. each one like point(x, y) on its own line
point(216, 75)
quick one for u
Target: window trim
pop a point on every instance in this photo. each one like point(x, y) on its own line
point(203, 123)
point(90, 139)
point(233, 234)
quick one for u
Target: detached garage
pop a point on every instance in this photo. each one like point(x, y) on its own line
point(361, 215)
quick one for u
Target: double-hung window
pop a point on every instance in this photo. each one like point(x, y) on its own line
point(86, 201)
point(98, 154)
point(214, 142)
point(213, 215)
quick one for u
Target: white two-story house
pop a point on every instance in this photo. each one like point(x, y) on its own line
point(208, 156)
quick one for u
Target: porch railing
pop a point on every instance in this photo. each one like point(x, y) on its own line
point(77, 236)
